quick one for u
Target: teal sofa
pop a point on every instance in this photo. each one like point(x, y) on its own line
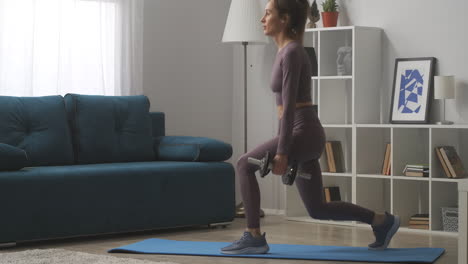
point(87, 165)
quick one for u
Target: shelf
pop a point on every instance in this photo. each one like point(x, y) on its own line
point(333, 174)
point(349, 108)
point(339, 77)
point(338, 91)
point(371, 147)
point(344, 136)
point(409, 146)
point(374, 193)
point(374, 176)
point(340, 28)
point(374, 125)
point(444, 194)
point(409, 178)
point(409, 198)
point(446, 180)
point(433, 126)
point(336, 126)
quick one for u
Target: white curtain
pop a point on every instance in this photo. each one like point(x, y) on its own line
point(50, 47)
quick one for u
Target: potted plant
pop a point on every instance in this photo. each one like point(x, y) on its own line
point(330, 13)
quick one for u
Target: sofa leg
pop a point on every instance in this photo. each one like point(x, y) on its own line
point(221, 224)
point(7, 245)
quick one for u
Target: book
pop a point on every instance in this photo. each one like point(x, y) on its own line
point(416, 170)
point(416, 167)
point(442, 162)
point(420, 217)
point(338, 156)
point(335, 156)
point(386, 159)
point(453, 161)
point(332, 194)
point(389, 161)
point(419, 222)
point(335, 193)
point(331, 162)
point(327, 195)
point(426, 227)
point(416, 174)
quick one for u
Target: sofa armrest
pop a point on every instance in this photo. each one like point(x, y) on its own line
point(186, 148)
point(158, 123)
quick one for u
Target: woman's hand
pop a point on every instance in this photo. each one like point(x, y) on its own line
point(280, 164)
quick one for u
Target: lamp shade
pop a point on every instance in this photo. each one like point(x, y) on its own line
point(243, 22)
point(444, 87)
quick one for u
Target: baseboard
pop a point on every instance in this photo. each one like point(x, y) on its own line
point(273, 211)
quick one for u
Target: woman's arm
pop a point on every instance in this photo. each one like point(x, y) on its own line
point(291, 66)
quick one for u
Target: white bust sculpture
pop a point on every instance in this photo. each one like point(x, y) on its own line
point(344, 62)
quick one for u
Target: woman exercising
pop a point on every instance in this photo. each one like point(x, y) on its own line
point(300, 137)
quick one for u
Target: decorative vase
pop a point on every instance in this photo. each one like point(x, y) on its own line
point(330, 19)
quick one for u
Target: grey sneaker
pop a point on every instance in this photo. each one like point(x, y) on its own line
point(247, 244)
point(384, 232)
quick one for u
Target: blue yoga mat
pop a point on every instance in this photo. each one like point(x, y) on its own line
point(285, 251)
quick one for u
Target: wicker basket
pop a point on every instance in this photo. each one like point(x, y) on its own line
point(450, 219)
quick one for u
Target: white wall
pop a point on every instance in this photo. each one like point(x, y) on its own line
point(419, 28)
point(416, 28)
point(187, 71)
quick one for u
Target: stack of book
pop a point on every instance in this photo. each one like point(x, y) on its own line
point(335, 158)
point(451, 162)
point(332, 194)
point(419, 221)
point(416, 170)
point(386, 166)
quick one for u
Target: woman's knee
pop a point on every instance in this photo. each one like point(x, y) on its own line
point(319, 211)
point(243, 165)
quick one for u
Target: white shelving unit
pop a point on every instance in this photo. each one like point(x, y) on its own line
point(349, 109)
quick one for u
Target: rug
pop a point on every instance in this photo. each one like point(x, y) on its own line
point(62, 256)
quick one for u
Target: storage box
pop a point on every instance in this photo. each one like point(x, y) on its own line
point(450, 219)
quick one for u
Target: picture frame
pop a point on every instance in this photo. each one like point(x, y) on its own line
point(412, 90)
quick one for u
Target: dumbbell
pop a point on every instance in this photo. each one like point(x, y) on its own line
point(265, 165)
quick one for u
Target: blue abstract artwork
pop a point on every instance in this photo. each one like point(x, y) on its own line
point(410, 92)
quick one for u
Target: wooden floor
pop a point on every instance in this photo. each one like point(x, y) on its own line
point(279, 231)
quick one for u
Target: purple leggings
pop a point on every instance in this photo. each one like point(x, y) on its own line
point(307, 146)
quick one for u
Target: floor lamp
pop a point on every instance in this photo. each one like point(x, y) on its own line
point(243, 26)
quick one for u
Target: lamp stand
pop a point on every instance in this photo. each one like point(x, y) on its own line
point(443, 121)
point(240, 207)
point(245, 95)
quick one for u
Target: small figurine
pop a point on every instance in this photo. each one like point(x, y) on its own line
point(314, 15)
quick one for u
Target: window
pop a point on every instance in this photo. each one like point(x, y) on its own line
point(62, 46)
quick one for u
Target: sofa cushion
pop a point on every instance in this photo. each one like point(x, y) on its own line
point(184, 148)
point(38, 125)
point(110, 128)
point(12, 158)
